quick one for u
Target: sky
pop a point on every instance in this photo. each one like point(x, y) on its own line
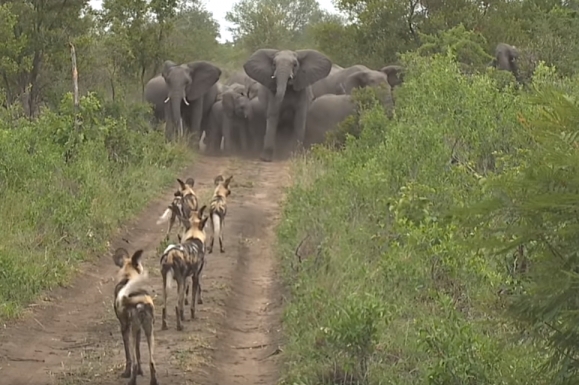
point(220, 7)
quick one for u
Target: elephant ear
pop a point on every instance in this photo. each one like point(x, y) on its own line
point(356, 80)
point(203, 76)
point(167, 65)
point(228, 103)
point(314, 66)
point(395, 75)
point(259, 67)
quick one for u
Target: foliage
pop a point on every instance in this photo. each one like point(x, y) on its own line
point(78, 185)
point(379, 239)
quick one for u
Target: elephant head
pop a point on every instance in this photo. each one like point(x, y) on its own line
point(276, 70)
point(370, 78)
point(187, 83)
point(251, 88)
point(395, 74)
point(506, 59)
point(236, 103)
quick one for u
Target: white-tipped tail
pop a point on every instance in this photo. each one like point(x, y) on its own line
point(170, 278)
point(216, 221)
point(163, 218)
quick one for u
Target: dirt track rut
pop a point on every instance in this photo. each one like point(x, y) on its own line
point(73, 337)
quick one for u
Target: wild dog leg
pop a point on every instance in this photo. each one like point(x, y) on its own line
point(125, 332)
point(221, 235)
point(138, 351)
point(148, 327)
point(164, 315)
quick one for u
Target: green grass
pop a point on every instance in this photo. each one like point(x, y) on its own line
point(390, 288)
point(63, 192)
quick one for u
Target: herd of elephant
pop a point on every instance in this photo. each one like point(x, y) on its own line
point(279, 96)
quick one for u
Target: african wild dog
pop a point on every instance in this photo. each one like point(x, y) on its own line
point(218, 210)
point(135, 311)
point(183, 260)
point(185, 196)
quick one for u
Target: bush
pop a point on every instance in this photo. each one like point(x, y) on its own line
point(63, 191)
point(385, 257)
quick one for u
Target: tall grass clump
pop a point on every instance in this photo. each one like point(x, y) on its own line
point(387, 282)
point(63, 190)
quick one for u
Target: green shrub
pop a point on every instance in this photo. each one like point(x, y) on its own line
point(382, 255)
point(64, 190)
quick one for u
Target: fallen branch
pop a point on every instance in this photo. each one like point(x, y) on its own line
point(18, 359)
point(251, 347)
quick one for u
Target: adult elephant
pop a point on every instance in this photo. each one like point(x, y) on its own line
point(286, 78)
point(193, 84)
point(331, 83)
point(240, 77)
point(329, 110)
point(506, 59)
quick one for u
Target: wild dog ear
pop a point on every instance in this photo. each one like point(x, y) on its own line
point(119, 256)
point(218, 179)
point(200, 212)
point(136, 258)
point(227, 181)
point(179, 237)
point(178, 193)
point(181, 183)
point(190, 182)
point(203, 222)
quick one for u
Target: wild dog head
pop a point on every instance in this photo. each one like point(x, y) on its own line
point(195, 224)
point(222, 186)
point(130, 266)
point(187, 186)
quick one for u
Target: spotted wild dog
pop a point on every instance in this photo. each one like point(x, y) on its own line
point(183, 260)
point(185, 196)
point(135, 311)
point(218, 210)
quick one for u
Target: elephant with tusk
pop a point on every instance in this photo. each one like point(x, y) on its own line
point(183, 94)
point(286, 78)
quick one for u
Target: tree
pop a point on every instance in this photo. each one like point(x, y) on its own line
point(272, 23)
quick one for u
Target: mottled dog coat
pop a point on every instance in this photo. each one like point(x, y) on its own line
point(135, 311)
point(218, 210)
point(184, 197)
point(184, 260)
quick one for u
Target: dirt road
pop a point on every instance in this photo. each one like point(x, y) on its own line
point(73, 337)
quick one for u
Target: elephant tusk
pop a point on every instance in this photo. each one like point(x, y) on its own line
point(167, 100)
point(185, 100)
point(273, 76)
point(291, 76)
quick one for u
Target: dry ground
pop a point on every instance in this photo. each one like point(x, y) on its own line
point(73, 337)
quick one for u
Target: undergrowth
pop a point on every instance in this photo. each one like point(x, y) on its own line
point(63, 190)
point(388, 283)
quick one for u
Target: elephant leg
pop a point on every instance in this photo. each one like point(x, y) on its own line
point(243, 140)
point(196, 116)
point(227, 125)
point(273, 110)
point(300, 123)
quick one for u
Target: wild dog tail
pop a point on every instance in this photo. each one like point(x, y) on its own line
point(216, 222)
point(165, 217)
point(167, 265)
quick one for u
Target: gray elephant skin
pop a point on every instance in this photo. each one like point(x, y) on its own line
point(183, 94)
point(240, 77)
point(286, 78)
point(329, 110)
point(240, 121)
point(336, 82)
point(506, 59)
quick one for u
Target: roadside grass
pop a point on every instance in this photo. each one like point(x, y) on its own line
point(386, 285)
point(64, 191)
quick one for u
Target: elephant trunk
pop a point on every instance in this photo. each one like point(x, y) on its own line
point(175, 100)
point(281, 76)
